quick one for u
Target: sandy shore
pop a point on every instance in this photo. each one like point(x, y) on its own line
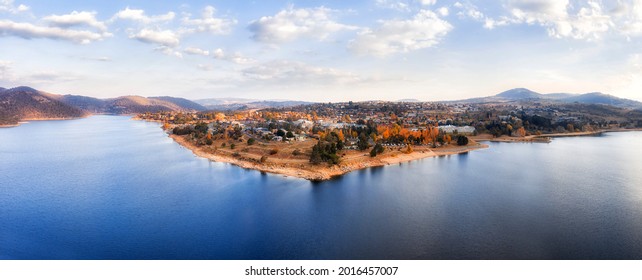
point(306, 170)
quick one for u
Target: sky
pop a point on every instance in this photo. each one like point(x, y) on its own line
point(326, 51)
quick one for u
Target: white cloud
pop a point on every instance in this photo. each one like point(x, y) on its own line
point(220, 54)
point(165, 38)
point(291, 24)
point(9, 6)
point(139, 15)
point(76, 19)
point(169, 51)
point(393, 4)
point(404, 6)
point(31, 31)
point(424, 30)
point(579, 20)
point(236, 57)
point(443, 11)
point(282, 72)
point(209, 23)
point(196, 51)
point(428, 2)
point(468, 10)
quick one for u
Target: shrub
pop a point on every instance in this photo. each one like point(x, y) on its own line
point(462, 140)
point(264, 159)
point(251, 141)
point(274, 151)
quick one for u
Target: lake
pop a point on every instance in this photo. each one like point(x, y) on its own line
point(108, 187)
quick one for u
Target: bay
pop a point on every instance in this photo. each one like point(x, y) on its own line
point(108, 187)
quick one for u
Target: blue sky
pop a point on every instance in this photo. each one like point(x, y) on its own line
point(322, 50)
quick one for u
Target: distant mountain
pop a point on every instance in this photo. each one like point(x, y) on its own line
point(559, 95)
point(233, 103)
point(89, 104)
point(25, 103)
point(605, 99)
point(519, 94)
point(409, 100)
point(182, 102)
point(224, 101)
point(522, 94)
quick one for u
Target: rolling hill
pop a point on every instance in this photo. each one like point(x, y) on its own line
point(233, 103)
point(25, 103)
point(522, 94)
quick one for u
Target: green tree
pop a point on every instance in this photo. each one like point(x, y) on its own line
point(462, 140)
point(376, 150)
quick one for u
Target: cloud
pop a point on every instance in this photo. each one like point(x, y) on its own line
point(31, 31)
point(76, 19)
point(165, 38)
point(139, 15)
point(220, 54)
point(291, 24)
point(443, 11)
point(169, 51)
point(282, 72)
point(580, 20)
point(208, 23)
point(585, 20)
point(196, 51)
point(424, 30)
point(404, 6)
point(9, 6)
point(393, 4)
point(234, 57)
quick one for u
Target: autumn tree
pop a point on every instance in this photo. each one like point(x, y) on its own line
point(521, 132)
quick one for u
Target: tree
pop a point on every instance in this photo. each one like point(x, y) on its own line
point(376, 150)
point(462, 140)
point(362, 142)
point(521, 132)
point(289, 134)
point(280, 132)
point(201, 127)
point(570, 127)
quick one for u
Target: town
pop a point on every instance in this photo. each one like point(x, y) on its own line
point(345, 136)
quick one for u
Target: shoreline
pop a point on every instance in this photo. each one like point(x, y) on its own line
point(546, 138)
point(322, 172)
point(24, 121)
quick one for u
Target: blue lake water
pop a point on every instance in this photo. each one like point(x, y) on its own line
point(108, 187)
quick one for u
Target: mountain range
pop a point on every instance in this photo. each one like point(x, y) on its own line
point(25, 103)
point(233, 103)
point(522, 94)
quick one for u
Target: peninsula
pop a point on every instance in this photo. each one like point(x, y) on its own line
point(318, 141)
